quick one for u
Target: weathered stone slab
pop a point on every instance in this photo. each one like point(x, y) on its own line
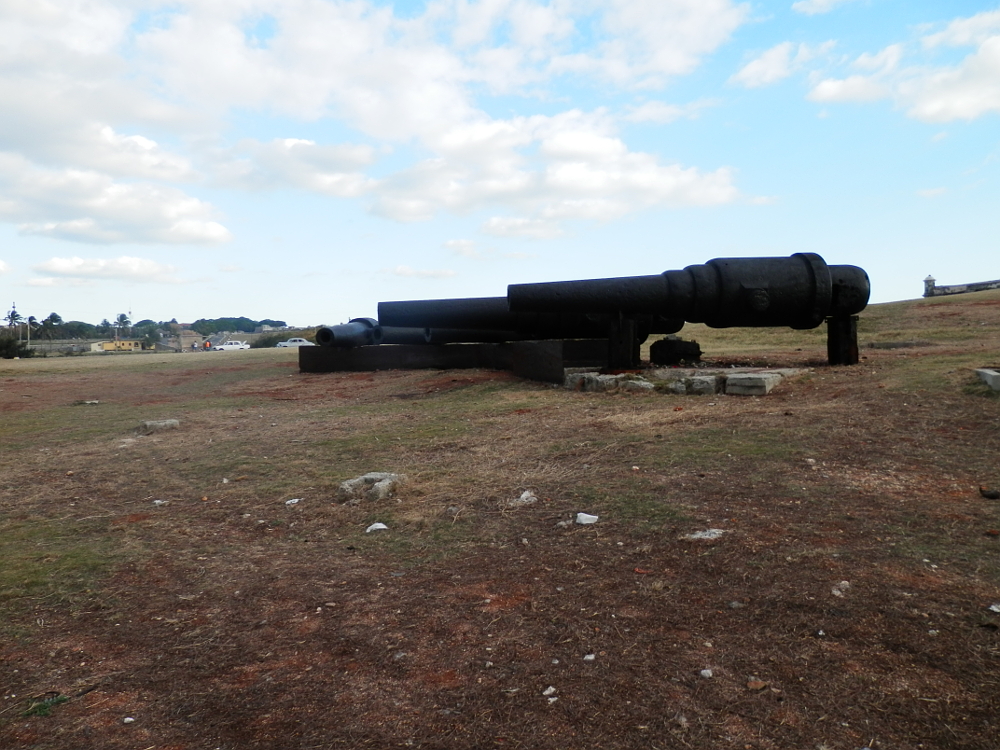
point(158, 425)
point(751, 384)
point(705, 385)
point(990, 377)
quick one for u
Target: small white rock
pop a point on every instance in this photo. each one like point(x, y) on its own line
point(548, 691)
point(127, 720)
point(375, 527)
point(706, 534)
point(590, 657)
point(706, 673)
point(293, 501)
point(994, 608)
point(585, 518)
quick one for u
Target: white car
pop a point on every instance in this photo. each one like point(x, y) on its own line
point(230, 346)
point(295, 342)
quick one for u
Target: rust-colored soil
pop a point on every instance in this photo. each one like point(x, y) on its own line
point(845, 606)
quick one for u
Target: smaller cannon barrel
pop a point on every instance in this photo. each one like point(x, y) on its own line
point(357, 332)
point(800, 292)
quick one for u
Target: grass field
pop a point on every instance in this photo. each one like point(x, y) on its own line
point(165, 579)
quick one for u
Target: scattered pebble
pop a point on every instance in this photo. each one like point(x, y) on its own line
point(706, 673)
point(590, 657)
point(376, 527)
point(585, 518)
point(841, 588)
point(527, 498)
point(293, 501)
point(159, 503)
point(128, 720)
point(706, 534)
point(548, 691)
point(994, 608)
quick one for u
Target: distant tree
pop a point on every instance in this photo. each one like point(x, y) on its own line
point(76, 329)
point(104, 327)
point(208, 326)
point(13, 318)
point(50, 326)
point(11, 347)
point(121, 323)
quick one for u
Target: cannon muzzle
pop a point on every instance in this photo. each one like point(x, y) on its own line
point(357, 332)
point(800, 292)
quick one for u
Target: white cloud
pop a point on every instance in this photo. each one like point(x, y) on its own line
point(646, 42)
point(851, 89)
point(932, 192)
point(108, 117)
point(465, 248)
point(963, 91)
point(331, 170)
point(662, 113)
point(511, 226)
point(414, 273)
point(578, 169)
point(815, 7)
point(966, 91)
point(965, 32)
point(124, 268)
point(777, 63)
point(4, 268)
point(88, 206)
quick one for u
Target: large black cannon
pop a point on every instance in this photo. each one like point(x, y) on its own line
point(801, 292)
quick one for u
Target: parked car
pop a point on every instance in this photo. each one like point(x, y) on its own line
point(295, 342)
point(230, 346)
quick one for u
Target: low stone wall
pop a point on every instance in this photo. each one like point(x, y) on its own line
point(931, 290)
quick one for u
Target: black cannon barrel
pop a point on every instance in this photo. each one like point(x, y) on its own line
point(356, 332)
point(398, 335)
point(491, 315)
point(800, 292)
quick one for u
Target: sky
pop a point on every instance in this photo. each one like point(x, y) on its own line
point(302, 160)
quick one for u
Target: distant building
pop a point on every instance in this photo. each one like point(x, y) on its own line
point(931, 290)
point(121, 345)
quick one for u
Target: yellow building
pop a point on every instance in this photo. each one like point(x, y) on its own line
point(123, 345)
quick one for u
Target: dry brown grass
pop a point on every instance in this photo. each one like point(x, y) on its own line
point(226, 618)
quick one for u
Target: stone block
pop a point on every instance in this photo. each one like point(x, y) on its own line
point(636, 386)
point(990, 377)
point(705, 385)
point(751, 383)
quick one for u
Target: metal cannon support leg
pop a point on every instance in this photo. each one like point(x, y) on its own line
point(842, 340)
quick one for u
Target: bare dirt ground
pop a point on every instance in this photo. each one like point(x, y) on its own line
point(846, 604)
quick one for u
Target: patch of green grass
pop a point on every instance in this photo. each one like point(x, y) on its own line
point(50, 559)
point(44, 706)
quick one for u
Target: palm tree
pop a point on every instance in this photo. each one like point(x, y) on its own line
point(49, 326)
point(13, 318)
point(32, 324)
point(121, 322)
